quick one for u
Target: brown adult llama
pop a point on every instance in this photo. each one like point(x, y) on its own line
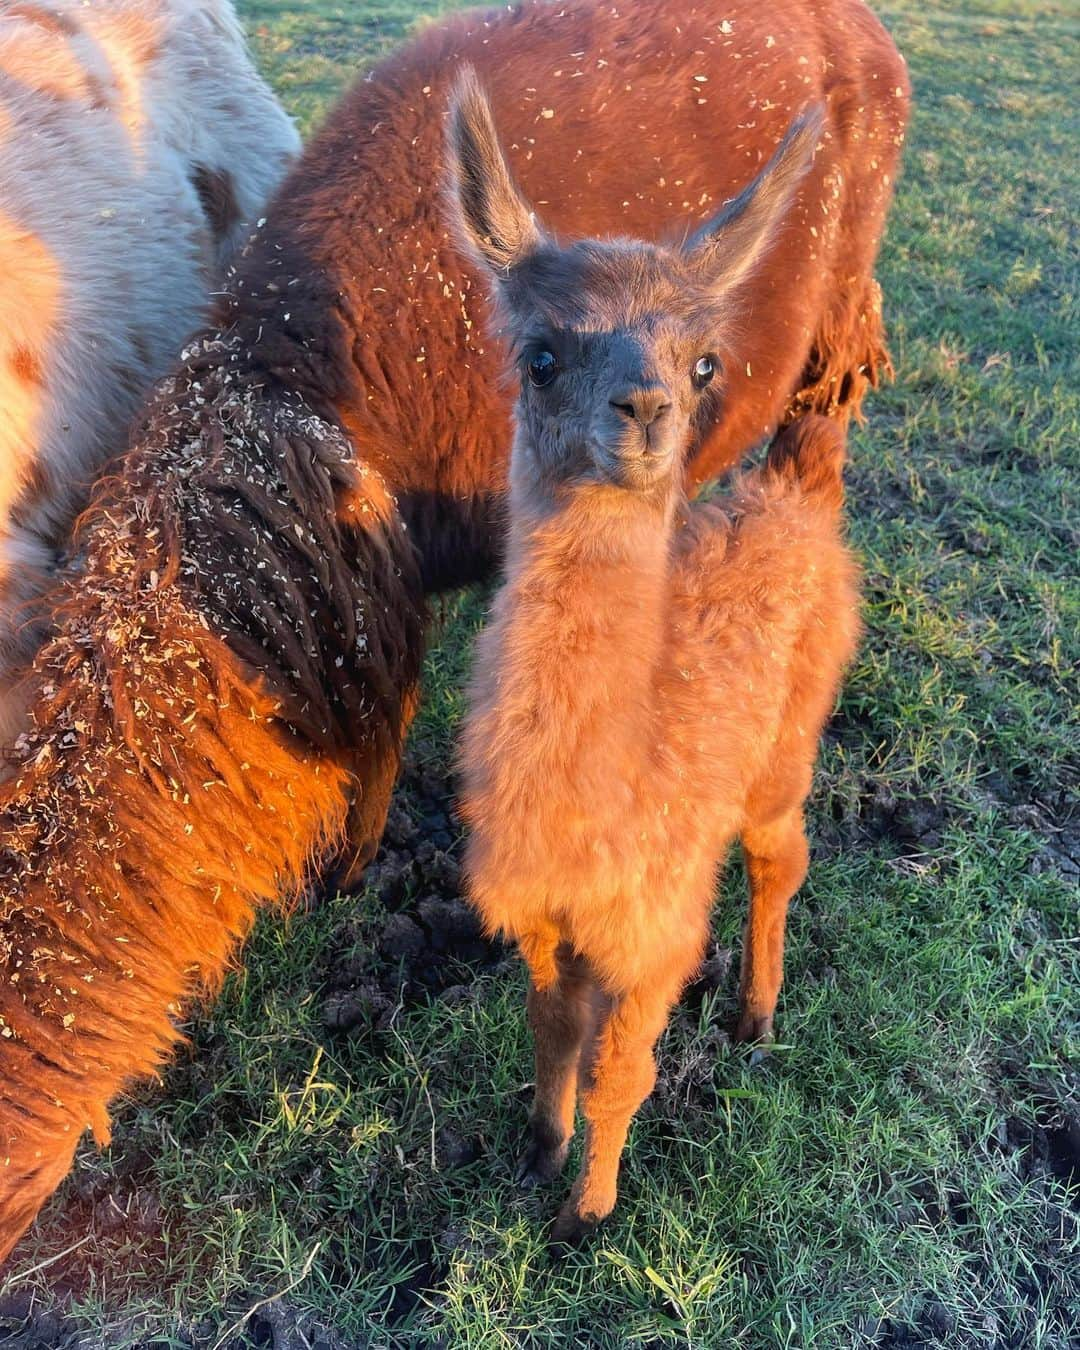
point(656, 675)
point(235, 656)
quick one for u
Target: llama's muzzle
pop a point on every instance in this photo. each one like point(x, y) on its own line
point(635, 436)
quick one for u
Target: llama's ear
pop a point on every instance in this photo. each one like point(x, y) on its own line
point(727, 248)
point(493, 219)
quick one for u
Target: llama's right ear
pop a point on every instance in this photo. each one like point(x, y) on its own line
point(493, 219)
point(727, 248)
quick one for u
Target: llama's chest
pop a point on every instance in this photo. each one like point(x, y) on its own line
point(610, 761)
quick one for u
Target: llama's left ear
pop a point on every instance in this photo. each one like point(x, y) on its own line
point(727, 248)
point(493, 219)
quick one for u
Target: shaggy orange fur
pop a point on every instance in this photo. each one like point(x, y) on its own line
point(655, 675)
point(174, 782)
point(648, 691)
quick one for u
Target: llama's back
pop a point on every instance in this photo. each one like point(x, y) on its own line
point(765, 616)
point(110, 147)
point(234, 138)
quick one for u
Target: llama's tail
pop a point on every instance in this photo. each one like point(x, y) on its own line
point(810, 452)
point(231, 660)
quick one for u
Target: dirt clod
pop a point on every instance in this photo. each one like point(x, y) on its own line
point(401, 938)
point(365, 1005)
point(428, 941)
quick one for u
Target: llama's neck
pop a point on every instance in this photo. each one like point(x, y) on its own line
point(582, 623)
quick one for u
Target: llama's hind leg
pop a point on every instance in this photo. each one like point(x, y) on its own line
point(374, 787)
point(562, 1007)
point(777, 857)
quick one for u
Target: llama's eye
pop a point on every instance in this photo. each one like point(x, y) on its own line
point(704, 371)
point(543, 367)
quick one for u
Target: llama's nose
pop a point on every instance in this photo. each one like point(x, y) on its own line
point(642, 403)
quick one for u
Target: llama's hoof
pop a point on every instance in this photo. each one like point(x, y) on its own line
point(755, 1029)
point(569, 1231)
point(541, 1163)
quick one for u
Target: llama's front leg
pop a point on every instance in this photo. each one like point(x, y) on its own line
point(374, 774)
point(777, 857)
point(617, 1077)
point(561, 1009)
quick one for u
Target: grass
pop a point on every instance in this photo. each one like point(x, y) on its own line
point(898, 1174)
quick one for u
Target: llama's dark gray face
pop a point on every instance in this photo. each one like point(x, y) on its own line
point(617, 341)
point(617, 352)
point(601, 407)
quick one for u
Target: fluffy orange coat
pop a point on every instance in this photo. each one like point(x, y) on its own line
point(651, 687)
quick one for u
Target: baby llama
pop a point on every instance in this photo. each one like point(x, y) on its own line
point(656, 674)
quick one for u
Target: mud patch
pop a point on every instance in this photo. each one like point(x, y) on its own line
point(421, 939)
point(913, 827)
point(275, 1324)
point(1056, 823)
point(931, 1324)
point(1046, 1148)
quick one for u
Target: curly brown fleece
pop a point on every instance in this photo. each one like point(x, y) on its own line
point(175, 781)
